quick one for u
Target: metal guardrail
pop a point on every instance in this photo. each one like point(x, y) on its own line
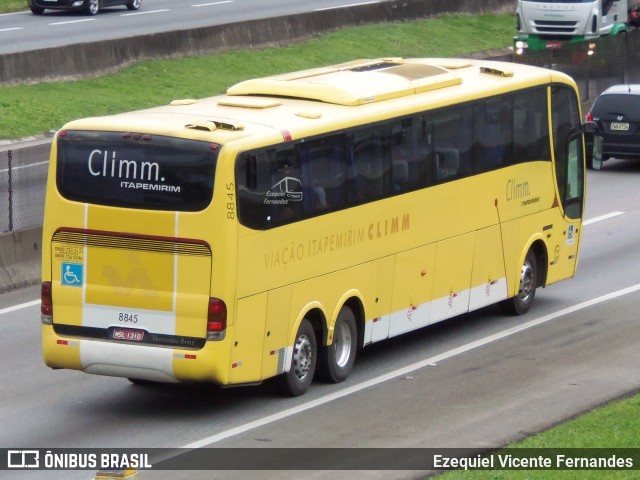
point(594, 65)
point(23, 174)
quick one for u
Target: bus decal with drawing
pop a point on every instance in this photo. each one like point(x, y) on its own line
point(277, 229)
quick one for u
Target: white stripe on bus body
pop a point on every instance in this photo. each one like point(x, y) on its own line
point(428, 313)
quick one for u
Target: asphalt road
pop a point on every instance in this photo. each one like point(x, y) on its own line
point(24, 31)
point(481, 380)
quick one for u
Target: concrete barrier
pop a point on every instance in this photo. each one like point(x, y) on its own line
point(23, 173)
point(93, 59)
point(20, 254)
point(21, 248)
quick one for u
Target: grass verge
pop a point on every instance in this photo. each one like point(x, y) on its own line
point(615, 425)
point(7, 6)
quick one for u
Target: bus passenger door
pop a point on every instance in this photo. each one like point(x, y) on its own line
point(451, 288)
point(412, 286)
point(248, 339)
point(570, 178)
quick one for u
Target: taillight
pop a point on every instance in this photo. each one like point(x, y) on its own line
point(46, 304)
point(589, 117)
point(216, 319)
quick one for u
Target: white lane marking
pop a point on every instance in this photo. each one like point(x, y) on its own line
point(10, 29)
point(602, 217)
point(37, 164)
point(72, 21)
point(406, 370)
point(13, 13)
point(345, 6)
point(146, 12)
point(212, 4)
point(32, 303)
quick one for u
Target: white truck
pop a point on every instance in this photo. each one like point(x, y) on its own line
point(543, 24)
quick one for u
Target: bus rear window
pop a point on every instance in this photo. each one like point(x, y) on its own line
point(136, 171)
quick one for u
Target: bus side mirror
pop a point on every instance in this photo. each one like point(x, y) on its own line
point(596, 154)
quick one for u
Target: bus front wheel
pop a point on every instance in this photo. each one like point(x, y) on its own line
point(523, 299)
point(336, 360)
point(298, 379)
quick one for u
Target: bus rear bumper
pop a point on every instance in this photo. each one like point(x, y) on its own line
point(141, 362)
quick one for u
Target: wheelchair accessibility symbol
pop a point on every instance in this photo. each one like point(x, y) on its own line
point(72, 274)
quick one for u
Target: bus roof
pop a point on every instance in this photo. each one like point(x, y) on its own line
point(296, 104)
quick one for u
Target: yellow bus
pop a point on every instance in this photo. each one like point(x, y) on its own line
point(277, 229)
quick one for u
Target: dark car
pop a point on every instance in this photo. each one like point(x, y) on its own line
point(89, 6)
point(617, 115)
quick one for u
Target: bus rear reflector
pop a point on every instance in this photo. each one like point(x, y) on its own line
point(216, 319)
point(46, 304)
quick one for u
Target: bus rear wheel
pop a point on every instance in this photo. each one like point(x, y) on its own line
point(523, 299)
point(336, 360)
point(298, 379)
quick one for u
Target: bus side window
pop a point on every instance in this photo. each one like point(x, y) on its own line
point(370, 164)
point(531, 126)
point(285, 178)
point(424, 168)
point(323, 174)
point(408, 155)
point(447, 163)
point(450, 145)
point(252, 175)
point(268, 188)
point(493, 133)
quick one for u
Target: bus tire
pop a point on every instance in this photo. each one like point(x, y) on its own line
point(336, 361)
point(298, 379)
point(93, 7)
point(527, 284)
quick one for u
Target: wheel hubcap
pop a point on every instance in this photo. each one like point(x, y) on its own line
point(526, 282)
point(342, 344)
point(302, 357)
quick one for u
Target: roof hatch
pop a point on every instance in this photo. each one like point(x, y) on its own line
point(211, 125)
point(353, 83)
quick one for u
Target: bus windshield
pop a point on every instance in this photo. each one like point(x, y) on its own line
point(136, 171)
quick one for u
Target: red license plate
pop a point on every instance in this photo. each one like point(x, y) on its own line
point(128, 334)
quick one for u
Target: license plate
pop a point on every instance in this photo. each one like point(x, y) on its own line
point(128, 334)
point(619, 126)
